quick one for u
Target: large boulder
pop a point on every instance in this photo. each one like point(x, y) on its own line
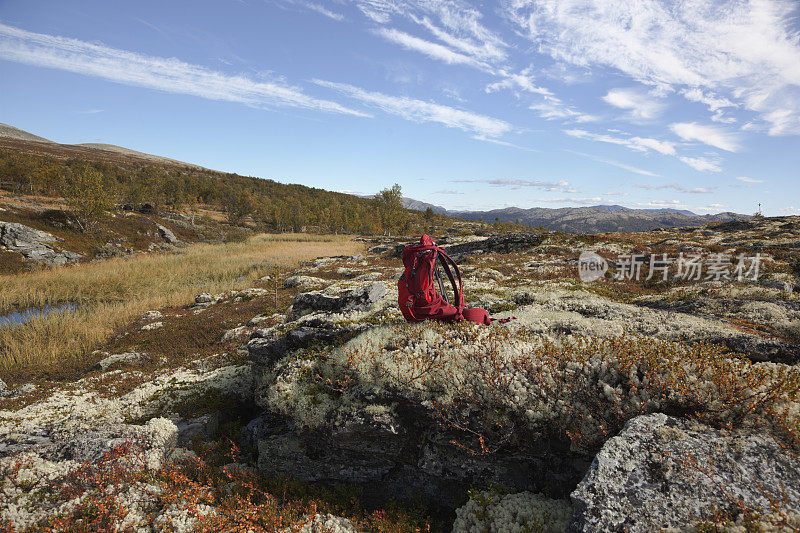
point(34, 245)
point(167, 234)
point(662, 472)
point(361, 299)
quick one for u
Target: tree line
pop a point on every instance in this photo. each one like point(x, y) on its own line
point(94, 187)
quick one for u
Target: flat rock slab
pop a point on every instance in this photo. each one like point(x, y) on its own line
point(361, 299)
point(662, 472)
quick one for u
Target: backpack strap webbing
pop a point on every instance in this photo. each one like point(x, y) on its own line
point(458, 289)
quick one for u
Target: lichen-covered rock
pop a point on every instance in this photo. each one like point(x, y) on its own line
point(204, 298)
point(503, 244)
point(663, 472)
point(305, 282)
point(167, 234)
point(489, 512)
point(555, 311)
point(34, 244)
point(361, 299)
point(118, 359)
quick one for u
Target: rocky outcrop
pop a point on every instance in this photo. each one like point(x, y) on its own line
point(34, 244)
point(360, 299)
point(401, 451)
point(557, 312)
point(119, 359)
point(496, 244)
point(662, 472)
point(167, 235)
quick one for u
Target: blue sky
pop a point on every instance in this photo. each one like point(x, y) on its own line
point(470, 105)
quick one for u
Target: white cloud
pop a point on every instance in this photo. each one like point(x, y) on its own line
point(617, 164)
point(447, 191)
point(516, 183)
point(640, 105)
point(590, 200)
point(702, 164)
point(313, 6)
point(663, 204)
point(433, 50)
point(640, 144)
point(674, 187)
point(523, 81)
point(322, 10)
point(749, 180)
point(485, 45)
point(453, 22)
point(164, 74)
point(643, 144)
point(744, 51)
point(421, 111)
point(553, 109)
point(710, 135)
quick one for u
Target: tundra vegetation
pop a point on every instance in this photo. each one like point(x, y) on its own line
point(268, 383)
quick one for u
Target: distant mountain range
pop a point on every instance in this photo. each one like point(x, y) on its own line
point(594, 219)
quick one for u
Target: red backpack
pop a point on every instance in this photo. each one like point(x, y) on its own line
point(417, 295)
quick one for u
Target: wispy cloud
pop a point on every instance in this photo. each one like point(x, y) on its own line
point(663, 204)
point(746, 53)
point(749, 180)
point(590, 200)
point(674, 187)
point(517, 183)
point(447, 191)
point(430, 49)
point(710, 135)
point(524, 81)
point(552, 108)
point(639, 104)
point(644, 144)
point(164, 74)
point(701, 164)
point(322, 10)
point(617, 164)
point(421, 111)
point(640, 144)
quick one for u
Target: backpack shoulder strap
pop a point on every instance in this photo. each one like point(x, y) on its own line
point(458, 289)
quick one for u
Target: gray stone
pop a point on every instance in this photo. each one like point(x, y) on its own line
point(380, 248)
point(20, 238)
point(33, 245)
point(663, 472)
point(266, 346)
point(361, 299)
point(118, 359)
point(204, 427)
point(503, 244)
point(204, 298)
point(3, 386)
point(167, 234)
point(304, 282)
point(22, 390)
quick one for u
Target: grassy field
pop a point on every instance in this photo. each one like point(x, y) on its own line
point(111, 293)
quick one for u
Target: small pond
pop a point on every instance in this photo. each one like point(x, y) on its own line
point(20, 317)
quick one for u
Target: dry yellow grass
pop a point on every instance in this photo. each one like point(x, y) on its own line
point(111, 293)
